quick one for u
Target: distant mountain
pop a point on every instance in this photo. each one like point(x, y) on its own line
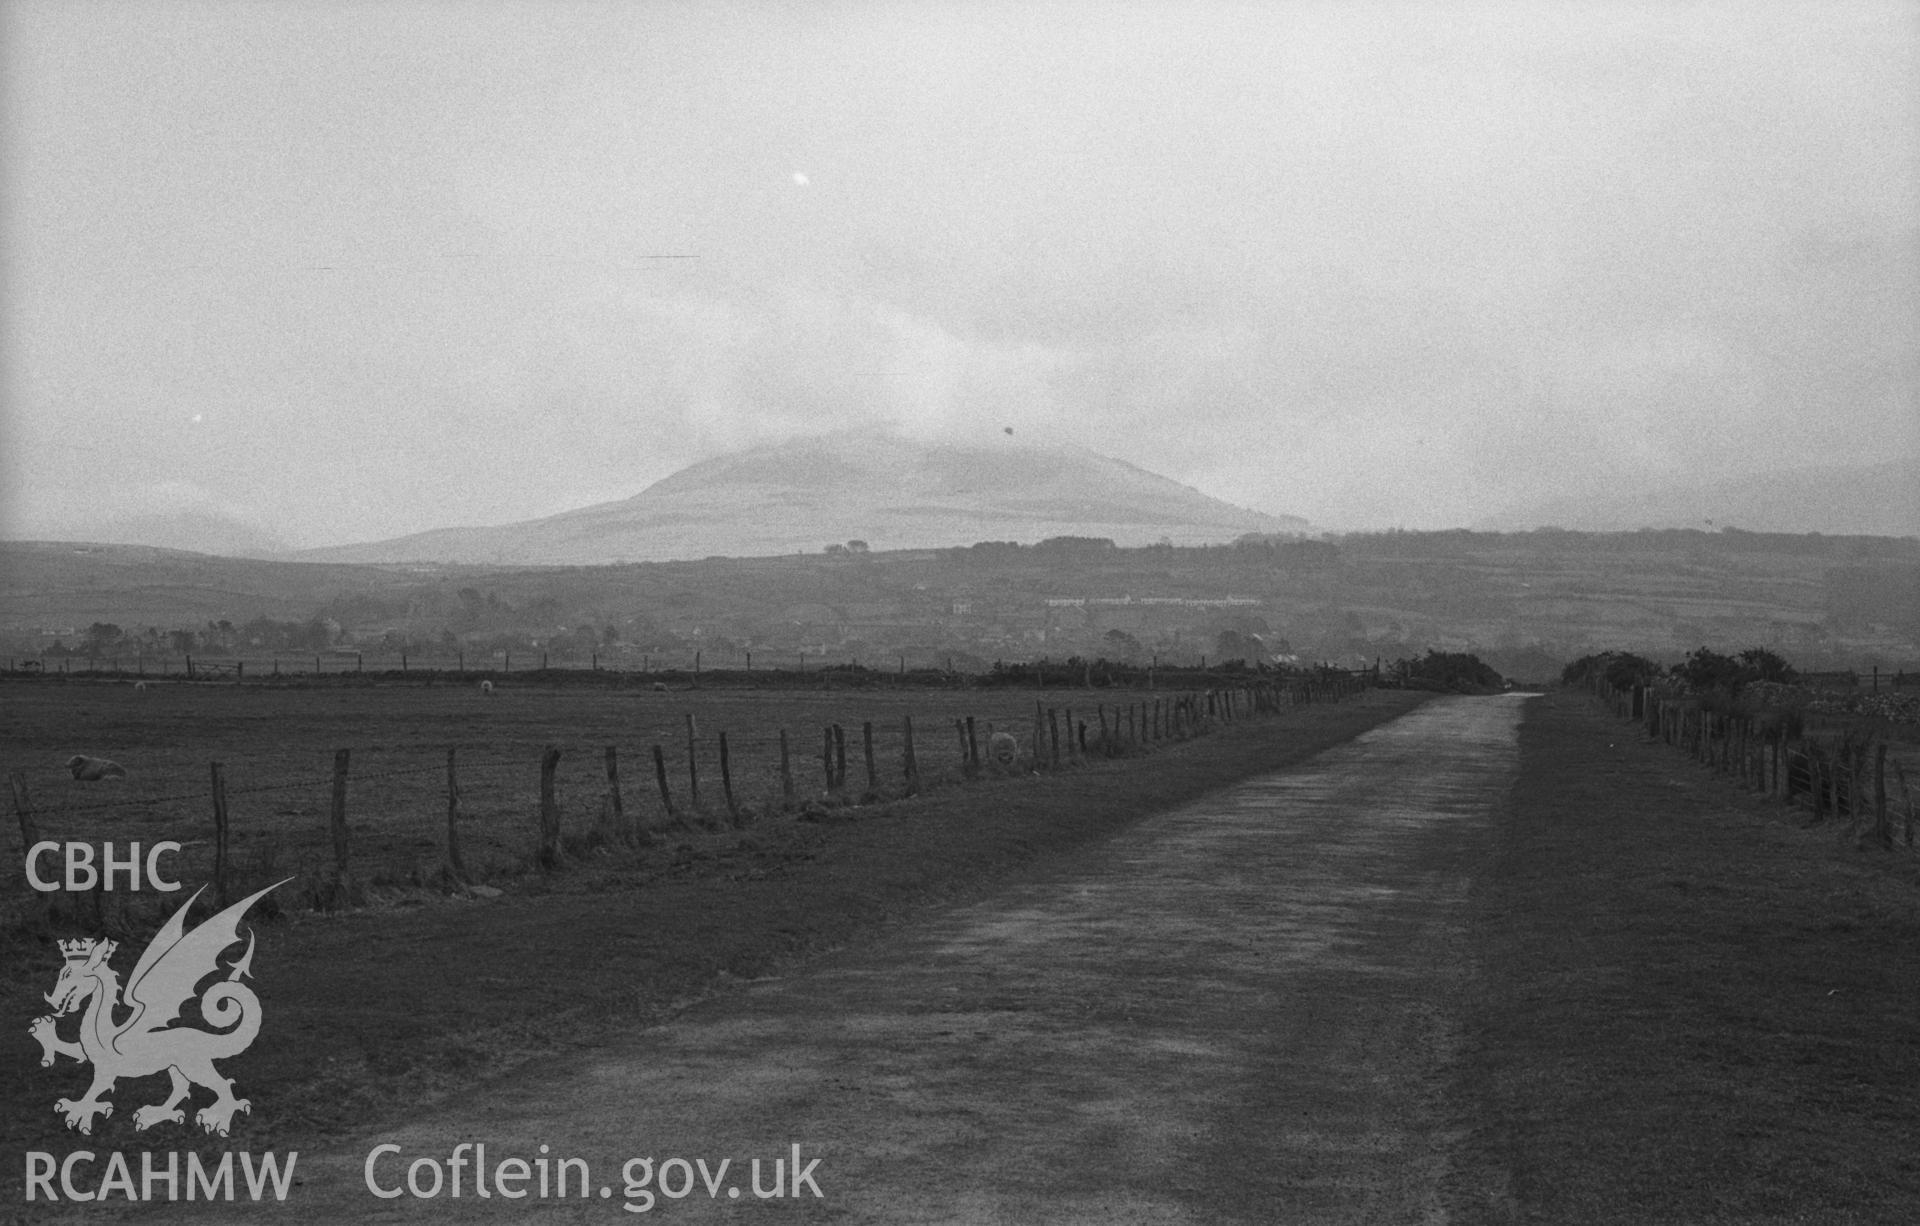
point(69, 584)
point(196, 530)
point(1855, 500)
point(892, 492)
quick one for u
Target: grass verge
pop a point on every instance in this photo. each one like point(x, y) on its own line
point(1693, 1007)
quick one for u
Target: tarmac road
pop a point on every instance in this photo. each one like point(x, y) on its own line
point(1239, 1010)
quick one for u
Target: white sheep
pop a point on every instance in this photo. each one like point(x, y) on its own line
point(486, 687)
point(660, 687)
point(92, 770)
point(139, 687)
point(1002, 747)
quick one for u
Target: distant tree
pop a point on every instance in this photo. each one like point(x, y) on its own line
point(856, 547)
point(1707, 671)
point(1077, 544)
point(315, 635)
point(1764, 665)
point(1232, 645)
point(1620, 669)
point(836, 549)
point(102, 639)
point(1456, 671)
point(1120, 645)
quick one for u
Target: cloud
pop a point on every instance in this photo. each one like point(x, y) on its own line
point(1396, 262)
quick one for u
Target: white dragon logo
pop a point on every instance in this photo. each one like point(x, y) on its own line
point(143, 1042)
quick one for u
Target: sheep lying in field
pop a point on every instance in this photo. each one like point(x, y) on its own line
point(660, 687)
point(92, 770)
point(486, 687)
point(139, 687)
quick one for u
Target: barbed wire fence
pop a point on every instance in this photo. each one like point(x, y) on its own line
point(1838, 771)
point(382, 817)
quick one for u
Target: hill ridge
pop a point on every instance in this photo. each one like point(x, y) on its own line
point(893, 492)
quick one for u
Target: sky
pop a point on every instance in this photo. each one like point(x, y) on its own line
point(346, 271)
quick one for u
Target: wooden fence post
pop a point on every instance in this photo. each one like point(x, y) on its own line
point(1053, 734)
point(1882, 829)
point(786, 773)
point(973, 747)
point(660, 774)
point(826, 754)
point(1853, 760)
point(726, 782)
point(693, 768)
point(23, 809)
point(1069, 712)
point(627, 831)
point(1106, 745)
point(909, 767)
point(839, 756)
point(866, 735)
point(456, 864)
point(1907, 796)
point(219, 834)
point(343, 887)
point(549, 854)
point(30, 831)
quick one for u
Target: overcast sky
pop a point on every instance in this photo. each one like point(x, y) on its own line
point(348, 271)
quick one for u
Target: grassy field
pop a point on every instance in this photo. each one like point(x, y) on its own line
point(277, 743)
point(1693, 1006)
point(383, 1008)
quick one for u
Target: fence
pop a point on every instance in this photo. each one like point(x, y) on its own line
point(383, 817)
point(1843, 775)
point(652, 670)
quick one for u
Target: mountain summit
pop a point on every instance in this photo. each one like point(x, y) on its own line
point(892, 492)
